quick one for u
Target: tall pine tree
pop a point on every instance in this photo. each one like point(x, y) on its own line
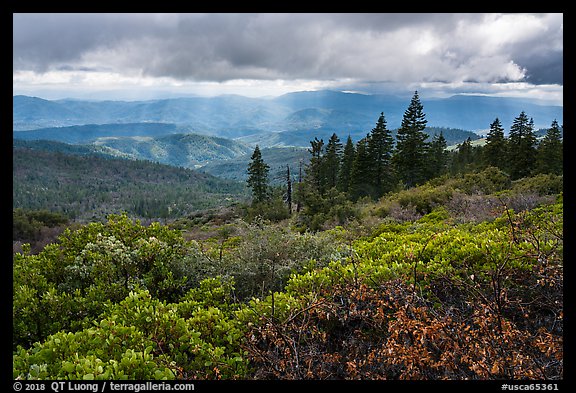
point(361, 179)
point(258, 177)
point(550, 151)
point(437, 156)
point(345, 173)
point(495, 149)
point(521, 147)
point(463, 158)
point(314, 170)
point(411, 147)
point(331, 162)
point(380, 144)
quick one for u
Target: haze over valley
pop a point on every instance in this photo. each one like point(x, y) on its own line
point(208, 131)
point(130, 89)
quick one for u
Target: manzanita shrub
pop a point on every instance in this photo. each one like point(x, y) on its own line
point(69, 283)
point(424, 301)
point(145, 338)
point(428, 299)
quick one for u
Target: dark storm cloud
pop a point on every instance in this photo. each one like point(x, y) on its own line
point(221, 47)
point(545, 70)
point(43, 41)
point(543, 57)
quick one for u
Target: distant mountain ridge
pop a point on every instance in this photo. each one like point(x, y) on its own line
point(89, 133)
point(219, 133)
point(234, 116)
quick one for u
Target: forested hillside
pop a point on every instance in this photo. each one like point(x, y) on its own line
point(135, 142)
point(183, 150)
point(301, 138)
point(89, 133)
point(91, 187)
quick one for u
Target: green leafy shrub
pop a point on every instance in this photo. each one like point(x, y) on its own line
point(541, 184)
point(423, 198)
point(486, 181)
point(145, 338)
point(68, 284)
point(26, 224)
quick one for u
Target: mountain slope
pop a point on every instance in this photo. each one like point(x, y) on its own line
point(184, 150)
point(89, 133)
point(89, 187)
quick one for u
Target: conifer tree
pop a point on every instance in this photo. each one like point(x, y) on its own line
point(288, 189)
point(347, 161)
point(361, 180)
point(314, 170)
point(258, 177)
point(495, 149)
point(380, 144)
point(463, 157)
point(437, 156)
point(521, 147)
point(331, 162)
point(550, 151)
point(411, 147)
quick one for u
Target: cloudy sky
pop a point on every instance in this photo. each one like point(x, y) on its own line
point(143, 56)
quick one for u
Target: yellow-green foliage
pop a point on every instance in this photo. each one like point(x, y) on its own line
point(119, 300)
point(144, 338)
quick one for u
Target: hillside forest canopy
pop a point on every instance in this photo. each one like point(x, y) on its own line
point(391, 258)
